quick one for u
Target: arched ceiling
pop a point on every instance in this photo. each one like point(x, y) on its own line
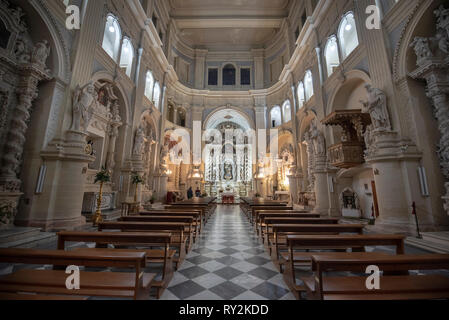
point(229, 25)
point(227, 115)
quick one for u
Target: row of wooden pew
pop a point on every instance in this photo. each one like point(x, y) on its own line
point(299, 239)
point(157, 238)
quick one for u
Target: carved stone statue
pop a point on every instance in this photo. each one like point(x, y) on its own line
point(139, 141)
point(376, 106)
point(319, 143)
point(83, 104)
point(41, 52)
point(422, 48)
point(115, 112)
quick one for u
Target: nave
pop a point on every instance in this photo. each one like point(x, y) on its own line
point(226, 258)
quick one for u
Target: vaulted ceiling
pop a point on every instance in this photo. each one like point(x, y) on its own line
point(229, 25)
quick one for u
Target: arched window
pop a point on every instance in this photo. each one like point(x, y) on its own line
point(157, 94)
point(347, 35)
point(229, 75)
point(127, 56)
point(301, 95)
point(149, 85)
point(112, 37)
point(276, 118)
point(331, 55)
point(308, 85)
point(287, 111)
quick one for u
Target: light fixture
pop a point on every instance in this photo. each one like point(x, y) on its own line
point(348, 27)
point(111, 29)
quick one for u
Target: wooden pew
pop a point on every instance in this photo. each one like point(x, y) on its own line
point(278, 240)
point(204, 211)
point(165, 256)
point(260, 214)
point(357, 242)
point(190, 220)
point(134, 285)
point(397, 287)
point(267, 222)
point(254, 209)
point(177, 229)
point(36, 297)
point(196, 214)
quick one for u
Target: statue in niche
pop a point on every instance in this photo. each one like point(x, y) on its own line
point(376, 106)
point(115, 112)
point(319, 143)
point(83, 107)
point(41, 52)
point(20, 51)
point(368, 136)
point(442, 40)
point(442, 15)
point(421, 47)
point(139, 141)
point(228, 174)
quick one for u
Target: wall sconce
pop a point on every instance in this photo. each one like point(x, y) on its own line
point(376, 172)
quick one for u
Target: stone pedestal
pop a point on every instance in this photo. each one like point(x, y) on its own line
point(60, 204)
point(321, 186)
point(393, 162)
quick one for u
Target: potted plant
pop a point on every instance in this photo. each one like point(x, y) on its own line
point(103, 177)
point(136, 179)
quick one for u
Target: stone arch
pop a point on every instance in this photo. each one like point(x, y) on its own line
point(61, 60)
point(220, 110)
point(106, 76)
point(347, 96)
point(400, 68)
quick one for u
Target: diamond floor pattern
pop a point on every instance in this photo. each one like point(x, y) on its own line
point(228, 262)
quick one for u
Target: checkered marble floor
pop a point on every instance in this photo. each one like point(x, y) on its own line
point(228, 262)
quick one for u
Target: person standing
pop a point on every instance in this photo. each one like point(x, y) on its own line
point(190, 193)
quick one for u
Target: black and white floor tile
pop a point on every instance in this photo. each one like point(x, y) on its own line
point(228, 262)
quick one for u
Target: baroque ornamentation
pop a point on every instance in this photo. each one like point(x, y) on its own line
point(376, 106)
point(139, 141)
point(433, 66)
point(84, 100)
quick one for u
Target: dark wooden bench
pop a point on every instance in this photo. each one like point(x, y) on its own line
point(133, 285)
point(400, 287)
point(191, 230)
point(196, 214)
point(37, 297)
point(308, 243)
point(267, 222)
point(177, 229)
point(256, 208)
point(163, 256)
point(261, 214)
point(278, 239)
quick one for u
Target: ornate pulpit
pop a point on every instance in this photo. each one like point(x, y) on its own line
point(350, 151)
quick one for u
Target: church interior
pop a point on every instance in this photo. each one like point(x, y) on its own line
point(219, 150)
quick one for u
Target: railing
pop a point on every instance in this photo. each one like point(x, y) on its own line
point(346, 155)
